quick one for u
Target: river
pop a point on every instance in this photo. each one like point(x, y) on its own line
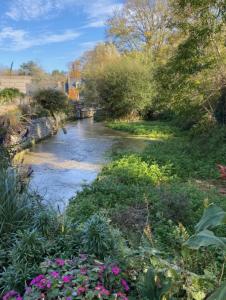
point(63, 163)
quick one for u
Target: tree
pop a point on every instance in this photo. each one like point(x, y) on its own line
point(125, 89)
point(141, 23)
point(31, 69)
point(51, 100)
point(191, 81)
point(92, 64)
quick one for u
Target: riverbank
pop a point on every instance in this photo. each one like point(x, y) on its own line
point(159, 195)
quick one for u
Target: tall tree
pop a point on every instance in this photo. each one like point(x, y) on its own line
point(140, 23)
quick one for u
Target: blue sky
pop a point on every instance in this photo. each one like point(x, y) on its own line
point(51, 32)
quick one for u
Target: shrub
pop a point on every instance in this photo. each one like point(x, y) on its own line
point(98, 237)
point(51, 100)
point(26, 255)
point(124, 88)
point(9, 94)
point(15, 206)
point(80, 278)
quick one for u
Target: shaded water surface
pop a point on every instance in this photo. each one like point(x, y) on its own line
point(63, 163)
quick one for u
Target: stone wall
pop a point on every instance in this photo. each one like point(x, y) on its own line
point(22, 83)
point(24, 137)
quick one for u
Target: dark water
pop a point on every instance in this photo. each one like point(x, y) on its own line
point(63, 163)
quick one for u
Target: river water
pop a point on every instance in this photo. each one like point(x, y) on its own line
point(63, 163)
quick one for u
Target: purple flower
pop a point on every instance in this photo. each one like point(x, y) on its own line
point(116, 270)
point(9, 295)
point(41, 282)
point(67, 278)
point(19, 298)
point(60, 262)
point(125, 285)
point(37, 279)
point(54, 274)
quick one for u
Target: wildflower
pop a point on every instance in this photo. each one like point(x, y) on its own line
point(116, 270)
point(67, 278)
point(125, 285)
point(60, 262)
point(54, 274)
point(81, 290)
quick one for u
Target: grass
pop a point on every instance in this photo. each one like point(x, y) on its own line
point(153, 130)
point(159, 185)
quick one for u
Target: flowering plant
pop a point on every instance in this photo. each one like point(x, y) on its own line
point(80, 278)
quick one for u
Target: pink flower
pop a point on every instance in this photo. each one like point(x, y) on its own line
point(102, 268)
point(125, 285)
point(99, 287)
point(105, 292)
point(67, 278)
point(54, 274)
point(37, 279)
point(83, 271)
point(81, 290)
point(121, 296)
point(116, 270)
point(19, 298)
point(60, 262)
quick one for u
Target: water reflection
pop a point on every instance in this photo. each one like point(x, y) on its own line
point(65, 162)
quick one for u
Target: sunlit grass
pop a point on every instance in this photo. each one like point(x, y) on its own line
point(153, 130)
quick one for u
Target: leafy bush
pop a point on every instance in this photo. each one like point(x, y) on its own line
point(80, 278)
point(7, 95)
point(51, 100)
point(99, 238)
point(15, 206)
point(26, 255)
point(124, 88)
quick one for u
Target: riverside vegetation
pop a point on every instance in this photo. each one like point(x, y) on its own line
point(152, 225)
point(138, 217)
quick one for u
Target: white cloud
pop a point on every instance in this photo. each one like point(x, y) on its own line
point(18, 39)
point(96, 12)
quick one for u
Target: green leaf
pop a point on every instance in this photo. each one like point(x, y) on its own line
point(212, 217)
point(220, 293)
point(203, 239)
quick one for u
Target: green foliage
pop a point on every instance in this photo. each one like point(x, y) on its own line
point(26, 255)
point(82, 277)
point(125, 88)
point(213, 216)
point(51, 100)
point(7, 95)
point(99, 238)
point(15, 206)
point(154, 130)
